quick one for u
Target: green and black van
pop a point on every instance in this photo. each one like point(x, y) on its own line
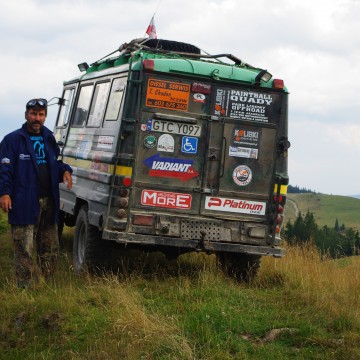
point(176, 151)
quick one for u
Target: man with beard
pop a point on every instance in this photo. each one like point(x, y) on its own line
point(30, 173)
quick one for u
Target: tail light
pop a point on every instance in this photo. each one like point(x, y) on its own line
point(279, 200)
point(144, 220)
point(278, 84)
point(121, 213)
point(123, 197)
point(149, 65)
point(127, 181)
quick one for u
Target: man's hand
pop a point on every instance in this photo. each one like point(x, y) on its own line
point(5, 203)
point(67, 178)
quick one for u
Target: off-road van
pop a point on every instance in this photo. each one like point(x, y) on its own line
point(174, 150)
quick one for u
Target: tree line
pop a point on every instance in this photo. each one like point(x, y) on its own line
point(337, 241)
point(298, 190)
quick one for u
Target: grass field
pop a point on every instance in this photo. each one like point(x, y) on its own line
point(326, 209)
point(299, 307)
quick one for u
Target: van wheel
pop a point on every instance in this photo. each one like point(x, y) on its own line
point(242, 267)
point(88, 250)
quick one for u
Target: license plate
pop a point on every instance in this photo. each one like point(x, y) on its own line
point(174, 128)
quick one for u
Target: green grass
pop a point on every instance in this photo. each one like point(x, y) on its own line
point(184, 309)
point(326, 209)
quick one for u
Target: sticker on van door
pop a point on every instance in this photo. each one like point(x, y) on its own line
point(166, 143)
point(238, 151)
point(165, 199)
point(150, 141)
point(181, 169)
point(199, 98)
point(235, 205)
point(242, 175)
point(243, 104)
point(245, 142)
point(189, 145)
point(167, 94)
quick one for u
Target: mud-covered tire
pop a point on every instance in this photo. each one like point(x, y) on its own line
point(89, 251)
point(242, 267)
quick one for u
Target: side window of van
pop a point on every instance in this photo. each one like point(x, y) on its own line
point(116, 95)
point(98, 104)
point(82, 108)
point(64, 115)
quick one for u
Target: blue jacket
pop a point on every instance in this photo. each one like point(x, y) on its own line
point(19, 174)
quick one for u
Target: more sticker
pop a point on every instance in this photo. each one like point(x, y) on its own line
point(165, 199)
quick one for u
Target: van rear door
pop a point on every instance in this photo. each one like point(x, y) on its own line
point(206, 149)
point(242, 143)
point(171, 147)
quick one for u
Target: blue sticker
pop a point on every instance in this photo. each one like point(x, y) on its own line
point(149, 124)
point(181, 169)
point(189, 145)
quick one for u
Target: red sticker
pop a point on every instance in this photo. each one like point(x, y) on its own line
point(165, 199)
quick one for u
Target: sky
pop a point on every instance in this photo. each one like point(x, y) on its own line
point(314, 46)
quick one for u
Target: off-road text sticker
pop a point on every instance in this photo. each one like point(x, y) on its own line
point(245, 105)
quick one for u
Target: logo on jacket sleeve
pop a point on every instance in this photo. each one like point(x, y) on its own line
point(5, 161)
point(24, 157)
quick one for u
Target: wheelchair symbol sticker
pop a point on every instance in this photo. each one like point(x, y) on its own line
point(189, 145)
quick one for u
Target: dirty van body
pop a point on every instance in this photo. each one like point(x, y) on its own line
point(175, 151)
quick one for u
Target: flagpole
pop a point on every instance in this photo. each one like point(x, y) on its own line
point(156, 9)
point(159, 3)
point(152, 19)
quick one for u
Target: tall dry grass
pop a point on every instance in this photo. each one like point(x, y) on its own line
point(135, 333)
point(327, 285)
point(185, 310)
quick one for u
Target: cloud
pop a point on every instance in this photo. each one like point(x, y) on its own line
point(321, 156)
point(313, 46)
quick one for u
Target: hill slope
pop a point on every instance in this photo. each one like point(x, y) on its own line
point(326, 209)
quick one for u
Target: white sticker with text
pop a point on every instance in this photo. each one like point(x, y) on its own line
point(235, 205)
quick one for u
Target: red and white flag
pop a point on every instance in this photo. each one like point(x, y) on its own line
point(151, 30)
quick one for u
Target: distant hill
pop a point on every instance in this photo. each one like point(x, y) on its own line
point(326, 209)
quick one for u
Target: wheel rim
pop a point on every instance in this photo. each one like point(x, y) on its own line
point(81, 244)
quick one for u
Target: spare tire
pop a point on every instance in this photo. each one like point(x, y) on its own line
point(170, 45)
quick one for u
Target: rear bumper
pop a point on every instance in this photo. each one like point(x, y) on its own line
point(195, 245)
